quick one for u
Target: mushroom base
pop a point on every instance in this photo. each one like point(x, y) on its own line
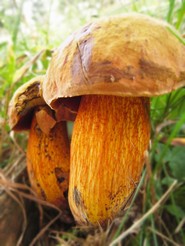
point(109, 144)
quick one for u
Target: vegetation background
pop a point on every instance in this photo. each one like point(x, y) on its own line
point(29, 31)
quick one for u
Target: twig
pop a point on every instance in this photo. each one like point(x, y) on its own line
point(180, 225)
point(145, 216)
point(16, 168)
point(162, 125)
point(164, 237)
point(11, 187)
point(18, 187)
point(20, 203)
point(12, 136)
point(44, 229)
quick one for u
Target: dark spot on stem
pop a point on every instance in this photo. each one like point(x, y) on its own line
point(65, 193)
point(61, 179)
point(38, 130)
point(59, 175)
point(43, 194)
point(77, 197)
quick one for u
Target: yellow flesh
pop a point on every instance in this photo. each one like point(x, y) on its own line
point(48, 163)
point(109, 143)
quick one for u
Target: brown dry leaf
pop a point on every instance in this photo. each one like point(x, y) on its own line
point(178, 142)
point(21, 58)
point(164, 124)
point(174, 141)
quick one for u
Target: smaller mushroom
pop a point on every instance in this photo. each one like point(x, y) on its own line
point(48, 143)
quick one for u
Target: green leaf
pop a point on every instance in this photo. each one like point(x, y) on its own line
point(167, 181)
point(175, 210)
point(176, 161)
point(170, 10)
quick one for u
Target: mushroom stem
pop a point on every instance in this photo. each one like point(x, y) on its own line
point(109, 142)
point(48, 162)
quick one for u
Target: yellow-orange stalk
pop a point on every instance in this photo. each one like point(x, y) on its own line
point(109, 142)
point(48, 163)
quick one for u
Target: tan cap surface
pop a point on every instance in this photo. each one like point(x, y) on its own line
point(130, 55)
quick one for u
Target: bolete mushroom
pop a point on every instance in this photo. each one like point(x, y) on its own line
point(113, 66)
point(48, 143)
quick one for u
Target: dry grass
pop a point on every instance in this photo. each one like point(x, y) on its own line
point(53, 230)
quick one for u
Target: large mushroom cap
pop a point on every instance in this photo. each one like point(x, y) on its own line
point(130, 55)
point(23, 102)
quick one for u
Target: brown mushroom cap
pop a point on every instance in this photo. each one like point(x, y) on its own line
point(130, 55)
point(23, 103)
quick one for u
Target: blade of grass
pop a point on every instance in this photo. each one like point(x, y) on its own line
point(17, 23)
point(154, 234)
point(127, 213)
point(22, 71)
point(170, 11)
point(180, 15)
point(174, 32)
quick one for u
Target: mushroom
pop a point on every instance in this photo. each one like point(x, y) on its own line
point(48, 143)
point(112, 66)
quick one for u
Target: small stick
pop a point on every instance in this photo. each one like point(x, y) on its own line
point(164, 237)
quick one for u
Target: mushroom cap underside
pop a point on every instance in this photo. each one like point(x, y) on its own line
point(24, 101)
point(129, 55)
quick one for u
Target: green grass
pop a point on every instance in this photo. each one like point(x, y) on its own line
point(18, 63)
